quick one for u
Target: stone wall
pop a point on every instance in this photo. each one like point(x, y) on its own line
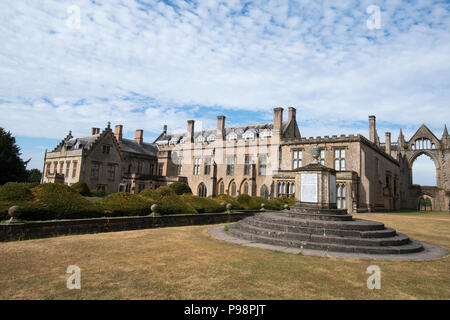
point(43, 229)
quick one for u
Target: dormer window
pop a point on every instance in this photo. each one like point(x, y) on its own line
point(249, 135)
point(200, 139)
point(232, 137)
point(265, 134)
point(211, 138)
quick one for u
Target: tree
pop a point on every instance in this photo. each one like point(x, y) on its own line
point(34, 175)
point(12, 167)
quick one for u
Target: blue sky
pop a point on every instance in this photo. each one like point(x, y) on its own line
point(147, 63)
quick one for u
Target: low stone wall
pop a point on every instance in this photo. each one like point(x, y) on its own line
point(41, 229)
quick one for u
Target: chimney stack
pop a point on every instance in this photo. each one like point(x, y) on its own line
point(118, 132)
point(165, 128)
point(277, 119)
point(190, 131)
point(220, 127)
point(388, 143)
point(292, 113)
point(139, 137)
point(95, 131)
point(372, 129)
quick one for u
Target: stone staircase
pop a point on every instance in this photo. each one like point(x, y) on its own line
point(322, 229)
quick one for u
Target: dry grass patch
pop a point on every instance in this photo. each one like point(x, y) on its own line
point(186, 263)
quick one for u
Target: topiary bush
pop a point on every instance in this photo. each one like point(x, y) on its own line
point(82, 188)
point(180, 188)
point(124, 204)
point(202, 205)
point(14, 191)
point(168, 201)
point(58, 201)
point(229, 199)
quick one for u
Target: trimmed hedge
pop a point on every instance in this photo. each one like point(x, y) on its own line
point(124, 204)
point(168, 201)
point(51, 201)
point(57, 201)
point(14, 191)
point(82, 188)
point(180, 188)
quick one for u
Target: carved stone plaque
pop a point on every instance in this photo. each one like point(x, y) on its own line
point(309, 187)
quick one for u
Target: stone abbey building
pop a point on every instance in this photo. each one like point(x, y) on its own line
point(257, 159)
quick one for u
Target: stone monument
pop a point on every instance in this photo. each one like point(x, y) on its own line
point(315, 223)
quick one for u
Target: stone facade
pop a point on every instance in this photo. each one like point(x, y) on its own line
point(261, 160)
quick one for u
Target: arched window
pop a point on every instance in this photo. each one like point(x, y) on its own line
point(264, 192)
point(245, 188)
point(232, 190)
point(202, 192)
point(221, 188)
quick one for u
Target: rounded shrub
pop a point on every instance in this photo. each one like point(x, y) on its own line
point(125, 204)
point(14, 191)
point(58, 201)
point(168, 201)
point(201, 204)
point(180, 188)
point(82, 188)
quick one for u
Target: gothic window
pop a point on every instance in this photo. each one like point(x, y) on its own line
point(197, 165)
point(208, 166)
point(297, 159)
point(202, 190)
point(247, 165)
point(221, 188)
point(264, 193)
point(339, 159)
point(230, 166)
point(262, 165)
point(233, 189)
point(245, 188)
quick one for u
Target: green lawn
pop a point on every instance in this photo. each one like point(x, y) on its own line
point(187, 263)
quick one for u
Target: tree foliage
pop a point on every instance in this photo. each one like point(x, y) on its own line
point(12, 167)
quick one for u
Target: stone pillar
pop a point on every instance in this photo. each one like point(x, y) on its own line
point(220, 127)
point(190, 131)
point(372, 129)
point(292, 113)
point(388, 143)
point(277, 119)
point(118, 132)
point(139, 138)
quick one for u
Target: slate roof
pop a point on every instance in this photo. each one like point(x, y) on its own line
point(126, 145)
point(238, 130)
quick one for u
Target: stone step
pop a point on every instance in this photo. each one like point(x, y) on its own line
point(402, 249)
point(397, 240)
point(318, 211)
point(383, 233)
point(284, 219)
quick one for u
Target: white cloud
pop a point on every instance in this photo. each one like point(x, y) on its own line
point(316, 56)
